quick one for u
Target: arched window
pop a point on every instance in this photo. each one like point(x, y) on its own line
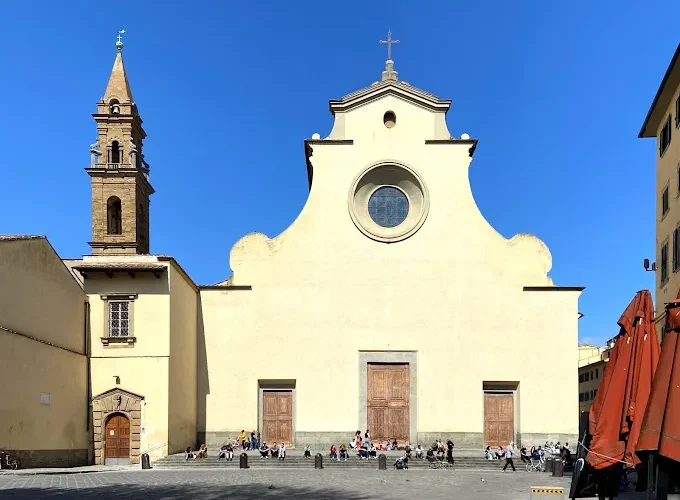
point(114, 107)
point(114, 216)
point(115, 152)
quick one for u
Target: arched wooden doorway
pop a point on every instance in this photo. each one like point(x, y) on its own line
point(117, 445)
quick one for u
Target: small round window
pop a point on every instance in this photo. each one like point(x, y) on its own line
point(388, 206)
point(390, 119)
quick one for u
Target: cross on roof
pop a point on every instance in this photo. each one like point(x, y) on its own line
point(389, 43)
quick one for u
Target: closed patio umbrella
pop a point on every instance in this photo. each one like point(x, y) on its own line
point(660, 434)
point(618, 409)
point(617, 412)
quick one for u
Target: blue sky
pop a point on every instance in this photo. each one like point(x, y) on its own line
point(555, 91)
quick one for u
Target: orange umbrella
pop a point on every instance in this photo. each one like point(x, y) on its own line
point(618, 409)
point(661, 427)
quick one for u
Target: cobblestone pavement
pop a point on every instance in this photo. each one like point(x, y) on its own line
point(298, 484)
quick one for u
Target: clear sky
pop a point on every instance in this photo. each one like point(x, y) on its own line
point(556, 92)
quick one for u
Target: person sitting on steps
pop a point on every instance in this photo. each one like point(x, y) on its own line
point(282, 452)
point(308, 452)
point(264, 451)
point(343, 453)
point(333, 455)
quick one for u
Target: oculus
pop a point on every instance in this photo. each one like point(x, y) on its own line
point(388, 202)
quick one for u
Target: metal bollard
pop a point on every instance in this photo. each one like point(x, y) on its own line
point(382, 462)
point(146, 462)
point(243, 461)
point(318, 461)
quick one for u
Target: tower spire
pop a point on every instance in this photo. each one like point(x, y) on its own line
point(389, 73)
point(118, 86)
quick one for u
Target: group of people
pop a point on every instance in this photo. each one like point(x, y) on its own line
point(365, 449)
point(535, 454)
point(249, 441)
point(191, 454)
point(499, 453)
point(274, 451)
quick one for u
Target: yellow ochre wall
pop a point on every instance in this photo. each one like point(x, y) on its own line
point(142, 367)
point(44, 393)
point(452, 293)
point(182, 364)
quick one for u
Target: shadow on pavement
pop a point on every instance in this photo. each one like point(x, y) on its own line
point(177, 492)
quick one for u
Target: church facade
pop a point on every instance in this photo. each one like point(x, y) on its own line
point(388, 304)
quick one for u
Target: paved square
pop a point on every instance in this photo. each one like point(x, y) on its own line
point(294, 484)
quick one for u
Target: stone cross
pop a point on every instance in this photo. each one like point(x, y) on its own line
point(389, 43)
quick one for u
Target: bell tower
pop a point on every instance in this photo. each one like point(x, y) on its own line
point(119, 174)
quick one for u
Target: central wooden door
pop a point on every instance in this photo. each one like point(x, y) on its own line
point(117, 440)
point(388, 401)
point(499, 419)
point(277, 412)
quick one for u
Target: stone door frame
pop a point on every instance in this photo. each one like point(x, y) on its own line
point(508, 388)
point(287, 385)
point(107, 404)
point(390, 357)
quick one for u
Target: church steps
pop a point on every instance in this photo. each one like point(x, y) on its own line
point(178, 461)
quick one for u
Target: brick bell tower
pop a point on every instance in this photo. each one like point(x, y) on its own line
point(119, 174)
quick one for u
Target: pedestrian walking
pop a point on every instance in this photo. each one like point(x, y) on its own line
point(508, 457)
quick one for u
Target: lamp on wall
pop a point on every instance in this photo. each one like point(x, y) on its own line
point(647, 267)
point(117, 379)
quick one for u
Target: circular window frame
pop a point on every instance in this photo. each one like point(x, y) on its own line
point(400, 176)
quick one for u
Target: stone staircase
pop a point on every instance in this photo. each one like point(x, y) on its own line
point(294, 459)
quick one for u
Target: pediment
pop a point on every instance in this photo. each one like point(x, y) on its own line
point(383, 88)
point(117, 392)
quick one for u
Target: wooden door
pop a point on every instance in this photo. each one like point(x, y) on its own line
point(117, 439)
point(499, 419)
point(277, 410)
point(388, 401)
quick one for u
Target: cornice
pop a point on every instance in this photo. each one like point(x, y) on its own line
point(370, 94)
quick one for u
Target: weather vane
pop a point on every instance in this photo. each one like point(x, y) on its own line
point(119, 40)
point(389, 43)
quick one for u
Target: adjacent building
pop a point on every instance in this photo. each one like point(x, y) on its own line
point(44, 393)
point(591, 365)
point(663, 123)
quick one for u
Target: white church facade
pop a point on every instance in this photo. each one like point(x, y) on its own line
point(388, 304)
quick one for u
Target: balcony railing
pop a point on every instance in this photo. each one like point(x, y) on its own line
point(118, 166)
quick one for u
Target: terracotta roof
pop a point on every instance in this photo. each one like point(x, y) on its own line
point(120, 266)
point(387, 83)
point(672, 77)
point(14, 237)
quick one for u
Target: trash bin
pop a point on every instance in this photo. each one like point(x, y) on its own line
point(549, 464)
point(146, 462)
point(382, 462)
point(318, 461)
point(243, 461)
point(558, 467)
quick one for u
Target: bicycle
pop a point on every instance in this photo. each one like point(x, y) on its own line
point(441, 464)
point(535, 466)
point(9, 461)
